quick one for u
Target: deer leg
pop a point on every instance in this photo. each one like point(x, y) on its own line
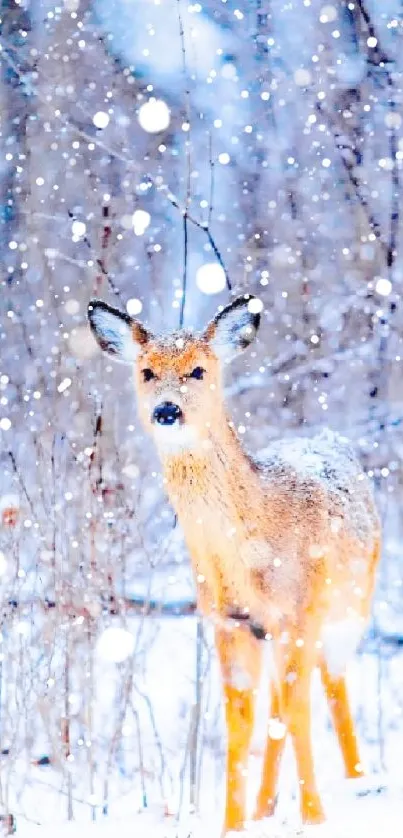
point(339, 706)
point(240, 657)
point(266, 800)
point(296, 707)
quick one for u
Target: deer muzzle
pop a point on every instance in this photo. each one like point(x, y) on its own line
point(167, 413)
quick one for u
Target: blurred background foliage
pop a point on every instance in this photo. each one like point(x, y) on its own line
point(154, 153)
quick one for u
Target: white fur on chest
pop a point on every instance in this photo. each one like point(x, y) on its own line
point(340, 641)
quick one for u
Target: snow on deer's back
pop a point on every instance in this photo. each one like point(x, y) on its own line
point(285, 546)
point(321, 495)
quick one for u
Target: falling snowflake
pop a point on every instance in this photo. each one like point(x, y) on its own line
point(101, 119)
point(134, 306)
point(210, 278)
point(154, 116)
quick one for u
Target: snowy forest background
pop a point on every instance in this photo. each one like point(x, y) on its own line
point(277, 170)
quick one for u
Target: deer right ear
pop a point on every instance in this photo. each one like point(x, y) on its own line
point(116, 333)
point(235, 327)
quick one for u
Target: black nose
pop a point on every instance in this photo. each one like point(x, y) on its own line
point(167, 413)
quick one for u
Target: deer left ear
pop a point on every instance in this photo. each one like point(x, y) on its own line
point(116, 333)
point(234, 328)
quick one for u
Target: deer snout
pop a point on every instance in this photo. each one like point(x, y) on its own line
point(167, 413)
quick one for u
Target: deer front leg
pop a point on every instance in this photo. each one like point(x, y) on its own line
point(240, 657)
point(296, 708)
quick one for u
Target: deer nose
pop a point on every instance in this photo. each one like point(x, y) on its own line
point(167, 413)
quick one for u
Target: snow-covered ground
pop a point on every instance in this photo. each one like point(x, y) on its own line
point(355, 809)
point(367, 813)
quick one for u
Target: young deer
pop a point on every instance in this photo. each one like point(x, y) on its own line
point(286, 548)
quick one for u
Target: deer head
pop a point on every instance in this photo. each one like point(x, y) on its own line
point(178, 377)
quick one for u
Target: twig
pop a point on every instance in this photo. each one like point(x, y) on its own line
point(377, 51)
point(106, 233)
point(395, 187)
point(354, 181)
point(137, 605)
point(66, 729)
point(164, 768)
point(196, 718)
point(377, 56)
point(100, 261)
point(125, 703)
point(185, 270)
point(188, 168)
point(212, 183)
point(133, 167)
point(68, 123)
point(201, 226)
point(21, 481)
point(187, 102)
point(216, 251)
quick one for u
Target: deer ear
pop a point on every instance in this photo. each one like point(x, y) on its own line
point(235, 327)
point(117, 334)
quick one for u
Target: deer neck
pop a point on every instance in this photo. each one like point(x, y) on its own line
point(210, 471)
point(216, 491)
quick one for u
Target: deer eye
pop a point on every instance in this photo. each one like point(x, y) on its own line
point(148, 374)
point(198, 373)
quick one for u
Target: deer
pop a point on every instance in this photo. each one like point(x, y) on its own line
point(283, 548)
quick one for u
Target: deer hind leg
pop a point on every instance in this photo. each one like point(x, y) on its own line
point(240, 657)
point(266, 800)
point(339, 706)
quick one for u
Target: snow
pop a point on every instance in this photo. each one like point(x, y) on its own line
point(101, 119)
point(115, 644)
point(134, 307)
point(210, 278)
point(154, 116)
point(374, 810)
point(141, 220)
point(167, 684)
